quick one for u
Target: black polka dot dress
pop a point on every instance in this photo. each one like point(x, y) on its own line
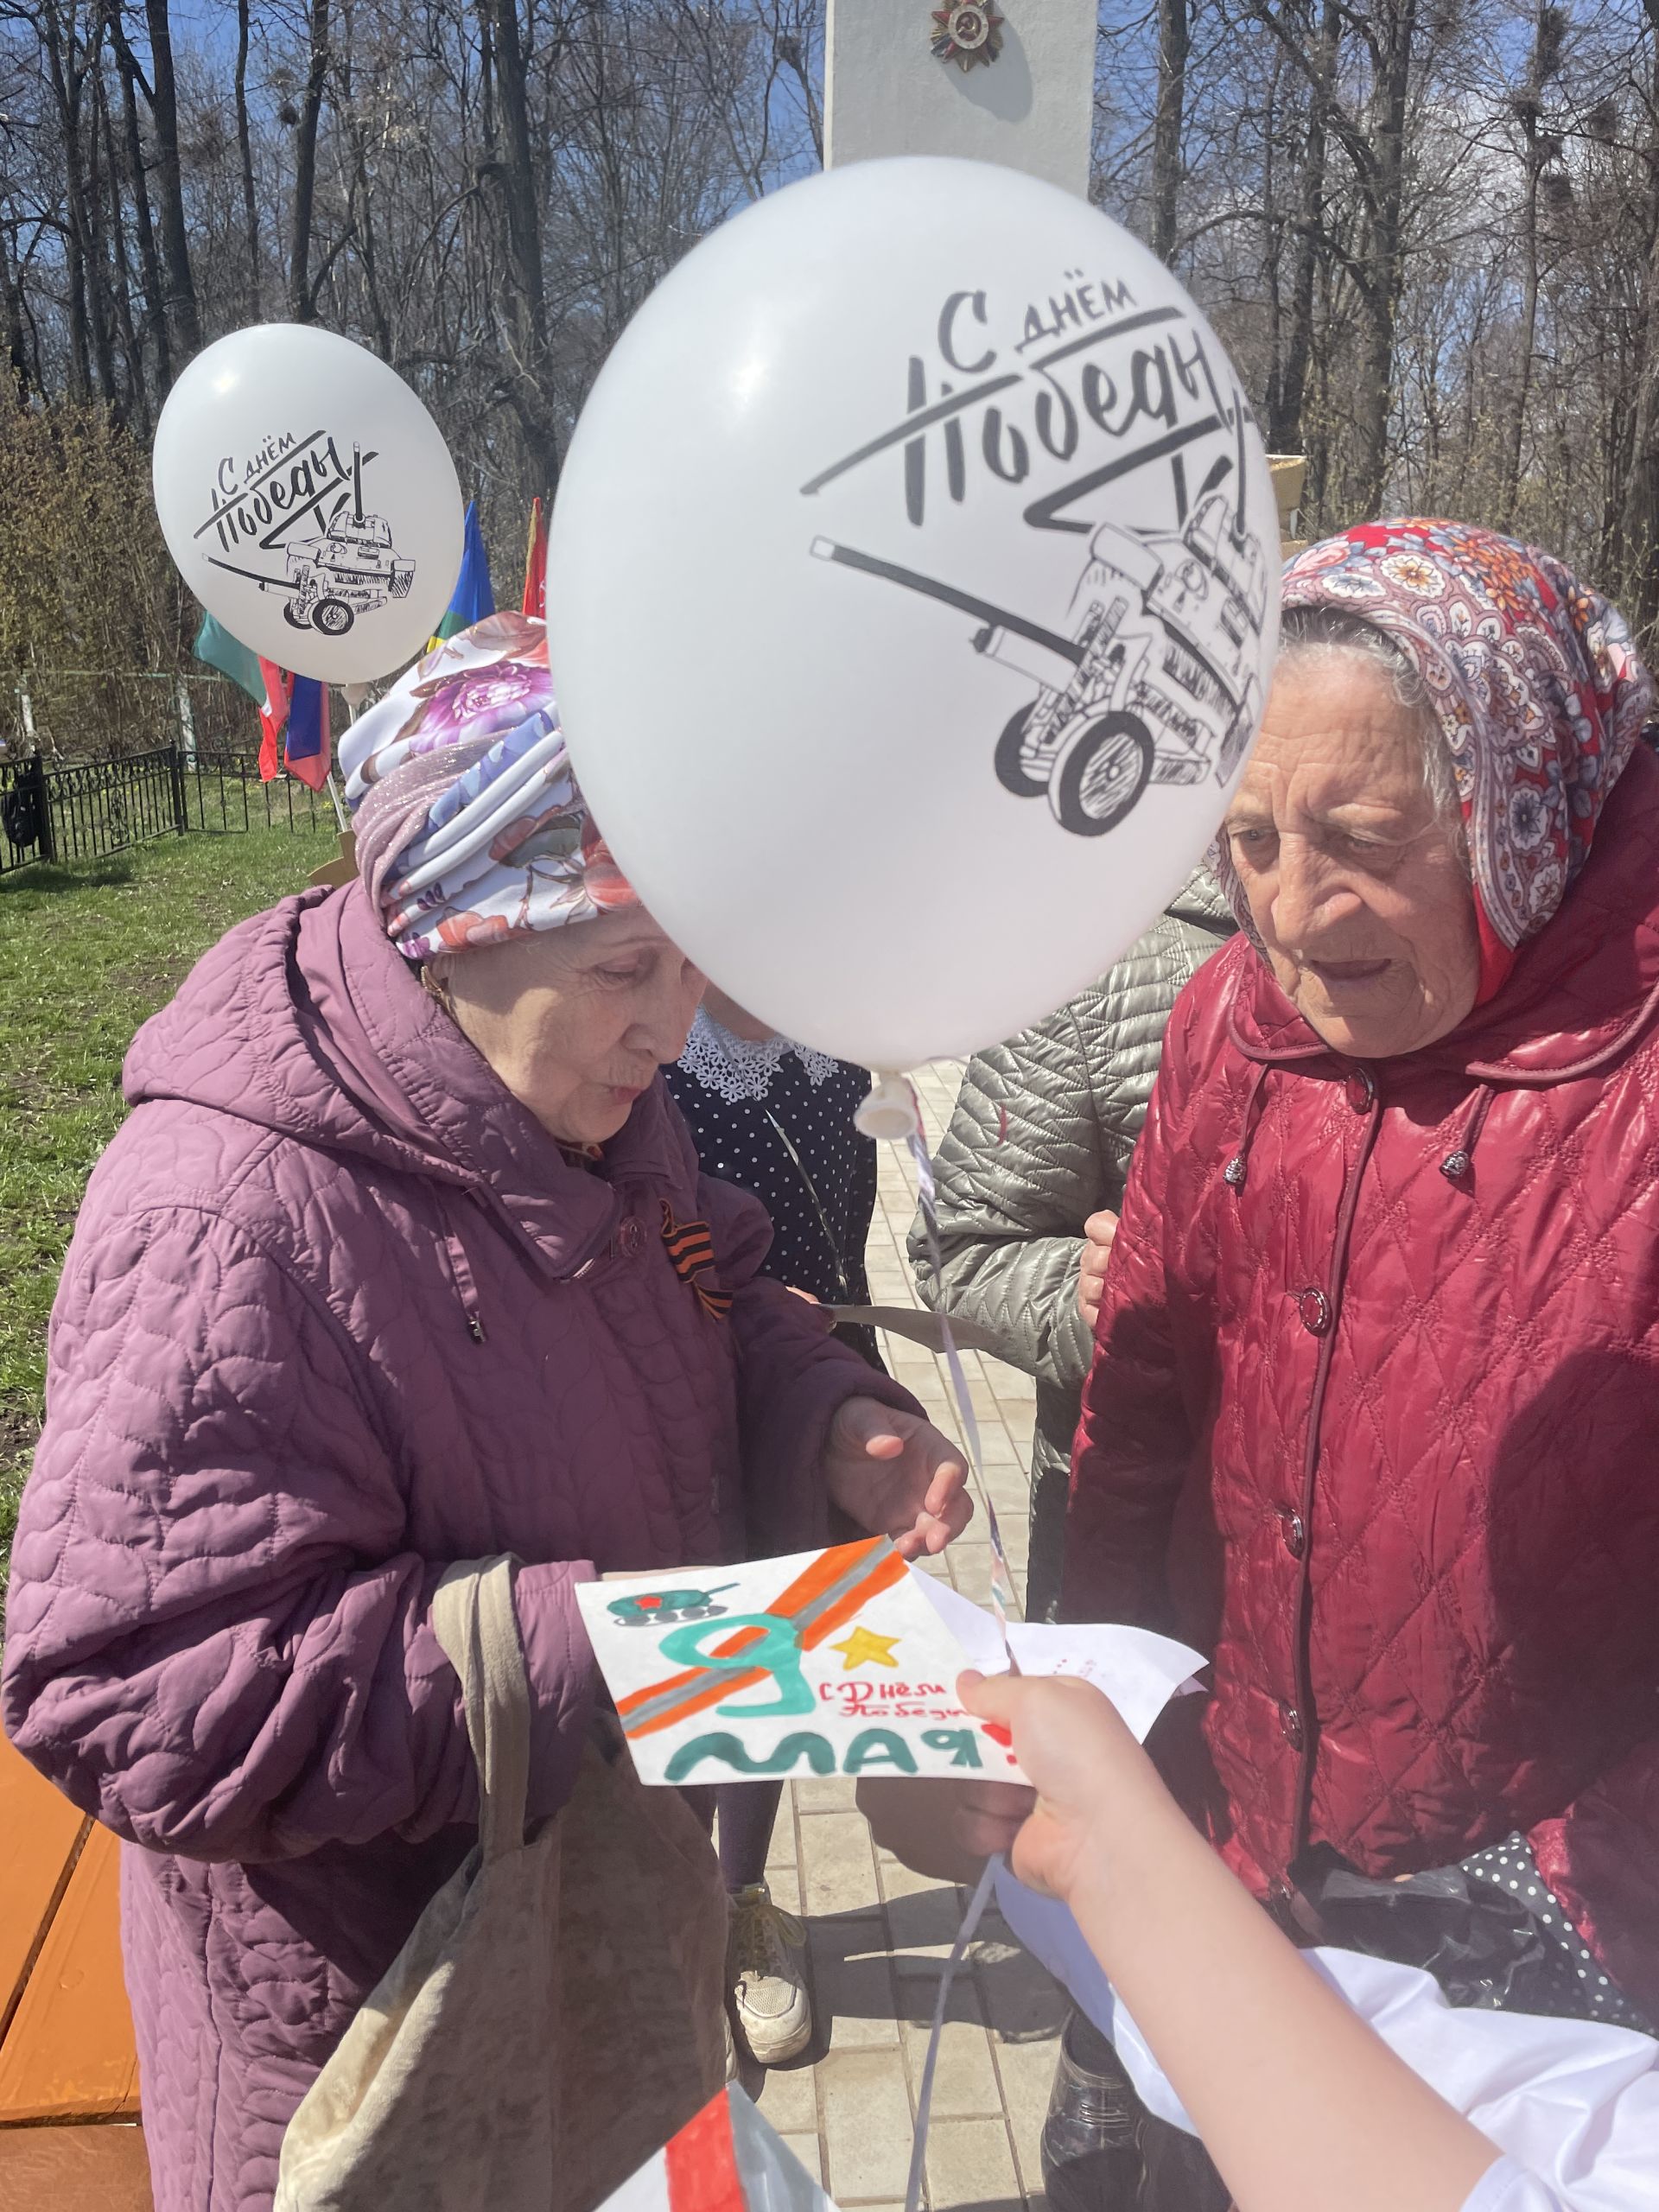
point(776, 1119)
point(1572, 1985)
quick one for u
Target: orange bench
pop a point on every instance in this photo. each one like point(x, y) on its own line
point(68, 2071)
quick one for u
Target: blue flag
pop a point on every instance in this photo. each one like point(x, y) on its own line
point(305, 747)
point(472, 598)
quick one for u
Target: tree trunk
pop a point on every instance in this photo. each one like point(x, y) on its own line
point(1515, 431)
point(148, 260)
point(1537, 152)
point(1174, 42)
point(244, 148)
point(1381, 293)
point(1640, 520)
point(135, 408)
point(175, 240)
point(513, 172)
point(95, 252)
point(301, 300)
point(11, 321)
point(1285, 433)
point(63, 73)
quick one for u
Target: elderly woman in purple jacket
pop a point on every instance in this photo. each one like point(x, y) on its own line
point(380, 1274)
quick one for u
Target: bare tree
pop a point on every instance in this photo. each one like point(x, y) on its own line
point(302, 286)
point(1174, 44)
point(175, 244)
point(1288, 389)
point(245, 150)
point(510, 169)
point(1542, 151)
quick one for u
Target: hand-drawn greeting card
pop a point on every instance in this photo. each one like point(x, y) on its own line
point(823, 1662)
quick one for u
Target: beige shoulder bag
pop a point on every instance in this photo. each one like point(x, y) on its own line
point(556, 2013)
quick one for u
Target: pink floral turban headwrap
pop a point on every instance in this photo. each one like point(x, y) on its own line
point(470, 827)
point(1538, 689)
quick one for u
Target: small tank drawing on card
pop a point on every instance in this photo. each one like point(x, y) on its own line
point(666, 1608)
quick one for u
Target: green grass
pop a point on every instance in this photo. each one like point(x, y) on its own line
point(86, 953)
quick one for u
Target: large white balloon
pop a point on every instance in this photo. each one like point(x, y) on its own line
point(911, 593)
point(310, 501)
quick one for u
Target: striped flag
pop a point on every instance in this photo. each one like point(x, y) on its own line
point(294, 727)
point(273, 717)
point(726, 2159)
point(536, 564)
point(306, 750)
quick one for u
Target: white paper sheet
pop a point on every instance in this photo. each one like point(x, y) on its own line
point(1140, 1672)
point(843, 1662)
point(823, 1663)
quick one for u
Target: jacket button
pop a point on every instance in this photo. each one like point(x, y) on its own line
point(1233, 1173)
point(1315, 1307)
point(1454, 1166)
point(1360, 1090)
point(1295, 1531)
point(631, 1237)
point(1291, 1721)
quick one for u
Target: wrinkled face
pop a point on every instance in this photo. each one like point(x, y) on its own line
point(1354, 887)
point(576, 1021)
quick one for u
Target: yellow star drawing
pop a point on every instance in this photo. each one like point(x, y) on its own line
point(864, 1650)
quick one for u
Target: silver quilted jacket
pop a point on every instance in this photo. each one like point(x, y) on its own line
point(1041, 1138)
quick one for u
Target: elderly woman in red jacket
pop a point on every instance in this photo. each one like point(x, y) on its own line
point(1374, 1416)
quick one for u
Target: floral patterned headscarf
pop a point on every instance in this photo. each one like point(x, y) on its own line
point(1538, 689)
point(470, 827)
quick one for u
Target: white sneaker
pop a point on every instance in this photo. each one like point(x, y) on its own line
point(769, 1998)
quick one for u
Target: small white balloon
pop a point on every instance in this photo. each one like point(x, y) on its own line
point(911, 593)
point(310, 501)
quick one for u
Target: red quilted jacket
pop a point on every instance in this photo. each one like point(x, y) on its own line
point(1373, 1415)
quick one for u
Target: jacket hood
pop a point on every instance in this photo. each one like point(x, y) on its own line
point(305, 1021)
point(1203, 903)
point(1579, 994)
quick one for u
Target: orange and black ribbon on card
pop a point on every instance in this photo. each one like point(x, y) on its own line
point(691, 1248)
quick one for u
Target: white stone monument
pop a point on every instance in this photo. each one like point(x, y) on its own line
point(989, 80)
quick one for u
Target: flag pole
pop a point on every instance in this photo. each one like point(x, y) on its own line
point(355, 695)
point(342, 869)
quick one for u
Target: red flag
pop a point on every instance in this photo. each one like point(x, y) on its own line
point(701, 2160)
point(726, 2159)
point(536, 564)
point(305, 749)
point(273, 717)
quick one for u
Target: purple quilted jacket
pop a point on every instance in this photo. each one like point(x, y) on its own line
point(337, 1313)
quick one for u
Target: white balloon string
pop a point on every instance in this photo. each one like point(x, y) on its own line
point(925, 2095)
point(1004, 1600)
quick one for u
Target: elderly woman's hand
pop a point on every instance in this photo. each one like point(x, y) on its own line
point(896, 1476)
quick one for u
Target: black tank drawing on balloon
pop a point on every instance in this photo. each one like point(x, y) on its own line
point(352, 567)
point(1157, 682)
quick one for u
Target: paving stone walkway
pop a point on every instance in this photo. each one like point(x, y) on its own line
point(878, 1934)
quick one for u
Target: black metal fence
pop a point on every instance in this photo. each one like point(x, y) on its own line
point(84, 810)
point(222, 795)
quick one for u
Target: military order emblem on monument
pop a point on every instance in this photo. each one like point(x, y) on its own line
point(967, 33)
